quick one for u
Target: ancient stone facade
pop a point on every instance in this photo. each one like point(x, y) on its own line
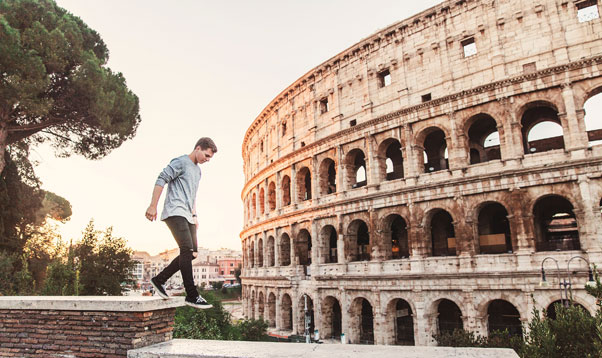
point(396, 190)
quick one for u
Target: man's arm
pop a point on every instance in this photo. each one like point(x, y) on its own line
point(151, 212)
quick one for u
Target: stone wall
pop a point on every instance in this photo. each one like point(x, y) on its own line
point(99, 327)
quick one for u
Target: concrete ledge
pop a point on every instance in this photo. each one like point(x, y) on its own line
point(89, 303)
point(186, 348)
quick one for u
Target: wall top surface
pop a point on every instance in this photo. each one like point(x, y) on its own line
point(89, 303)
point(197, 348)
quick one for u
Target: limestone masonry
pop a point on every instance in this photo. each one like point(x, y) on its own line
point(415, 182)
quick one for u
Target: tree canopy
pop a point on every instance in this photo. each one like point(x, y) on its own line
point(55, 85)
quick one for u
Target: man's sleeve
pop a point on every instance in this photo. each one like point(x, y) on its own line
point(171, 171)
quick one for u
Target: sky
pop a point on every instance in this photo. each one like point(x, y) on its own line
point(200, 68)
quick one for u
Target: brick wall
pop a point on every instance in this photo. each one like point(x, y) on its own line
point(81, 333)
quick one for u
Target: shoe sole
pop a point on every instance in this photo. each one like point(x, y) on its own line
point(204, 307)
point(163, 296)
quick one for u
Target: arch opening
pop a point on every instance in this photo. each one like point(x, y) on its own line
point(403, 322)
point(435, 152)
point(272, 310)
point(494, 230)
point(356, 169)
point(333, 318)
point(306, 315)
point(261, 201)
point(285, 250)
point(390, 150)
point(502, 315)
point(554, 306)
point(260, 253)
point(252, 254)
point(260, 306)
point(286, 191)
point(396, 238)
point(449, 317)
point(541, 130)
point(357, 242)
point(443, 236)
point(327, 177)
point(483, 140)
point(555, 225)
point(593, 118)
point(271, 252)
point(303, 247)
point(272, 196)
point(254, 212)
point(287, 312)
point(328, 238)
point(304, 184)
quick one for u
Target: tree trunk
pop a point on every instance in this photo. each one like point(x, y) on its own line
point(3, 138)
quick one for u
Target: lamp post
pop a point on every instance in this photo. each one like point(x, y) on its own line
point(564, 284)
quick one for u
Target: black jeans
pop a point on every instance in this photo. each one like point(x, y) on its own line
point(185, 235)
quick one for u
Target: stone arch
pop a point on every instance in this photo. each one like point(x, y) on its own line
point(260, 252)
point(449, 316)
point(254, 201)
point(441, 232)
point(357, 241)
point(555, 224)
point(544, 116)
point(483, 138)
point(285, 250)
point(433, 141)
point(356, 172)
point(400, 322)
point(327, 177)
point(261, 201)
point(286, 190)
point(503, 315)
point(272, 309)
point(303, 184)
point(272, 196)
point(253, 301)
point(395, 237)
point(579, 297)
point(303, 246)
point(261, 305)
point(551, 309)
point(252, 253)
point(390, 160)
point(271, 251)
point(286, 312)
point(361, 321)
point(592, 116)
point(332, 318)
point(329, 242)
point(305, 315)
point(493, 228)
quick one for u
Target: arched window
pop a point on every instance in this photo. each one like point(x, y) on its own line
point(261, 201)
point(272, 310)
point(304, 184)
point(332, 325)
point(390, 152)
point(541, 130)
point(286, 190)
point(356, 174)
point(328, 238)
point(252, 254)
point(483, 139)
point(270, 253)
point(285, 250)
point(494, 230)
point(401, 312)
point(502, 315)
point(449, 317)
point(303, 247)
point(254, 212)
point(272, 196)
point(435, 151)
point(357, 242)
point(443, 237)
point(327, 177)
point(305, 313)
point(260, 253)
point(555, 225)
point(287, 312)
point(593, 118)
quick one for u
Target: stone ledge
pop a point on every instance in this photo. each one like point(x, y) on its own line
point(89, 303)
point(186, 348)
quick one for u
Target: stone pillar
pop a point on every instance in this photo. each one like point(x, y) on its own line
point(590, 225)
point(372, 164)
point(380, 327)
point(341, 242)
point(315, 191)
point(457, 146)
point(345, 320)
point(293, 186)
point(278, 191)
point(277, 234)
point(315, 247)
point(278, 310)
point(340, 181)
point(575, 135)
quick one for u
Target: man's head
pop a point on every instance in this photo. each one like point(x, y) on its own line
point(204, 149)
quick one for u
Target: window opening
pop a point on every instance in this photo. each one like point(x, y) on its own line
point(426, 97)
point(593, 119)
point(324, 107)
point(470, 47)
point(587, 11)
point(352, 122)
point(443, 237)
point(384, 78)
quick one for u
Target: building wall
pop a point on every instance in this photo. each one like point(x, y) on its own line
point(534, 62)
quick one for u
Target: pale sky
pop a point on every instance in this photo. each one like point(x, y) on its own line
point(200, 68)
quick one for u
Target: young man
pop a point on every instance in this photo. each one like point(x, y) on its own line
point(179, 213)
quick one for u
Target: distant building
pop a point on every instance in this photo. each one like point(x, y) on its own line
point(227, 268)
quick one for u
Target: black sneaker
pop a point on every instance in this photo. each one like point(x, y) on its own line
point(198, 302)
point(159, 289)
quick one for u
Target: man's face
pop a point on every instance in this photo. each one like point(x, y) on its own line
point(203, 155)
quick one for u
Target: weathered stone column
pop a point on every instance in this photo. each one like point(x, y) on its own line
point(573, 129)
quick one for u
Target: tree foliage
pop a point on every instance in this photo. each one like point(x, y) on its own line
point(55, 85)
point(103, 261)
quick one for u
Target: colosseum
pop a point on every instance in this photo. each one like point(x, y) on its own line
point(423, 179)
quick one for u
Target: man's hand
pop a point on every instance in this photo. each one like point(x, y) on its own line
point(151, 213)
point(195, 254)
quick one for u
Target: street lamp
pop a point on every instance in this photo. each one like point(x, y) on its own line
point(565, 285)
